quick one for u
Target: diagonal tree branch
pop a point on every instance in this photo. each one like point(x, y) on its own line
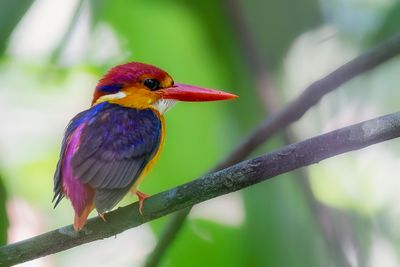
point(312, 95)
point(283, 118)
point(335, 230)
point(231, 179)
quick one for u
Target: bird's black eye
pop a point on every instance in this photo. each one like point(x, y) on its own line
point(152, 84)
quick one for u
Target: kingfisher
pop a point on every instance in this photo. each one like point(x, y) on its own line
point(109, 148)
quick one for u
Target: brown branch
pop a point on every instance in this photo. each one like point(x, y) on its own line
point(209, 186)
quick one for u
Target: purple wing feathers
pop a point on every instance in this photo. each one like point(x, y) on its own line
point(115, 144)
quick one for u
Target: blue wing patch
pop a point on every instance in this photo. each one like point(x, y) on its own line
point(111, 88)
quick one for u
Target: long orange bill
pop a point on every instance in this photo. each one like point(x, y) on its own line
point(190, 93)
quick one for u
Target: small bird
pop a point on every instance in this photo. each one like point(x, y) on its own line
point(109, 148)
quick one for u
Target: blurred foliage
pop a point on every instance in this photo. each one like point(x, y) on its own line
point(390, 25)
point(279, 219)
point(196, 43)
point(3, 213)
point(10, 14)
point(205, 243)
point(276, 24)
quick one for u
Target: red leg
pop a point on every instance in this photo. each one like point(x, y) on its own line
point(101, 215)
point(142, 196)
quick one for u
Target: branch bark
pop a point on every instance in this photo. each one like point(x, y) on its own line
point(231, 179)
point(283, 118)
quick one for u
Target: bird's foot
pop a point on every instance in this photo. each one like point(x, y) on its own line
point(101, 215)
point(142, 196)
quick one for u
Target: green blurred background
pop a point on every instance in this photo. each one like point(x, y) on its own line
point(341, 212)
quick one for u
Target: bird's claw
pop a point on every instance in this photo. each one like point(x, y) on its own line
point(101, 215)
point(142, 196)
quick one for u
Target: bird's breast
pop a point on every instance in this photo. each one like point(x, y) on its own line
point(157, 154)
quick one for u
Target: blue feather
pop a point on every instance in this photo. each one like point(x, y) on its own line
point(111, 88)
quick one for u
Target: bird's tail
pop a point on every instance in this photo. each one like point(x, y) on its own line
point(80, 219)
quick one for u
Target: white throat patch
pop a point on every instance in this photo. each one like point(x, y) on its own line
point(163, 105)
point(118, 95)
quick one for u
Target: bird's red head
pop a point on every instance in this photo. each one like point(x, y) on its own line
point(139, 85)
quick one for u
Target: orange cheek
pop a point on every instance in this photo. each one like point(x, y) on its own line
point(136, 98)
